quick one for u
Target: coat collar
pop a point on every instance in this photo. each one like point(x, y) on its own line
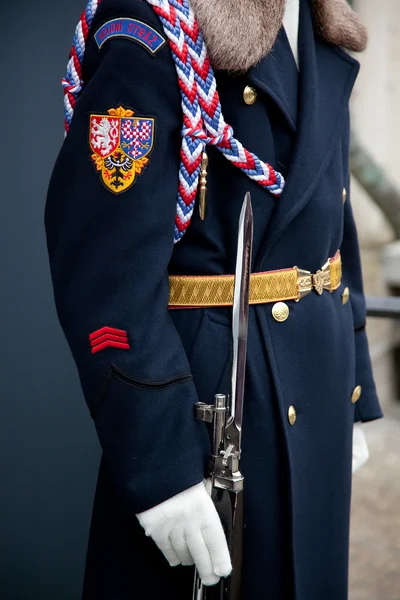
point(327, 76)
point(267, 76)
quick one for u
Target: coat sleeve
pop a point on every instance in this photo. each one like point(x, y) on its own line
point(367, 408)
point(109, 256)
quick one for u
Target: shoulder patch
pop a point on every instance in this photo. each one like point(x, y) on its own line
point(131, 29)
point(121, 144)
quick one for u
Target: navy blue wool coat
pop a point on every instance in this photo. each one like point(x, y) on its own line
point(111, 255)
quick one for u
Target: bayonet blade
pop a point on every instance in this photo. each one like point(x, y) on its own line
point(240, 317)
point(228, 487)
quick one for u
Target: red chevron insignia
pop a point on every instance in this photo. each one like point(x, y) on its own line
point(107, 337)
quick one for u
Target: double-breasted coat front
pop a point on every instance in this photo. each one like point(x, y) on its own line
point(111, 256)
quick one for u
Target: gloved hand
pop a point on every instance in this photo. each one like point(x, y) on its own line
point(188, 530)
point(360, 448)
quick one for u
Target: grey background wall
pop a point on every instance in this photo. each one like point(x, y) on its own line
point(48, 449)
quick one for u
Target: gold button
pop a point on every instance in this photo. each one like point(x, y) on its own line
point(344, 195)
point(356, 394)
point(280, 312)
point(292, 415)
point(345, 295)
point(249, 95)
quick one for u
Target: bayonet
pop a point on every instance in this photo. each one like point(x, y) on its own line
point(226, 415)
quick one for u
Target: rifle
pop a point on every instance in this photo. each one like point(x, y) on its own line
point(226, 416)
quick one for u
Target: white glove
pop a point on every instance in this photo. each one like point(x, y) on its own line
point(360, 448)
point(188, 530)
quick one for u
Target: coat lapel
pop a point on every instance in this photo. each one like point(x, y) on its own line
point(327, 76)
point(267, 76)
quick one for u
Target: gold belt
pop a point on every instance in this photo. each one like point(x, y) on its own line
point(199, 291)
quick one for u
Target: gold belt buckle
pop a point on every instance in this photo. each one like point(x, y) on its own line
point(319, 281)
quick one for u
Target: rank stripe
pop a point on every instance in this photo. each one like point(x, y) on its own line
point(110, 344)
point(108, 337)
point(106, 329)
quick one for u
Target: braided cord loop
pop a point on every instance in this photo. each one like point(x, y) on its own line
point(203, 121)
point(72, 82)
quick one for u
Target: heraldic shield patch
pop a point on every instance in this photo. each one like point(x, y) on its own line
point(121, 144)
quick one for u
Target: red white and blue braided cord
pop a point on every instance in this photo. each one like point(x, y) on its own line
point(72, 82)
point(204, 123)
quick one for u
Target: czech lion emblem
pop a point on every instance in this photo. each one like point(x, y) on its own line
point(121, 144)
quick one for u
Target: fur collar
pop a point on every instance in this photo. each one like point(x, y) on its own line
point(239, 33)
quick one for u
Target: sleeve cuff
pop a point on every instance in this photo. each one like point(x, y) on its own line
point(151, 440)
point(367, 408)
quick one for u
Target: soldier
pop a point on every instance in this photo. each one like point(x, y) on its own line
point(150, 339)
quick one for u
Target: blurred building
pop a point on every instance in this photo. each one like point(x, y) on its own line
point(376, 122)
point(375, 539)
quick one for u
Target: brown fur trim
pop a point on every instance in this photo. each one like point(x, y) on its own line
point(337, 23)
point(239, 33)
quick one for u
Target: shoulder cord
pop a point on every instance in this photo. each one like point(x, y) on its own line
point(72, 82)
point(202, 113)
